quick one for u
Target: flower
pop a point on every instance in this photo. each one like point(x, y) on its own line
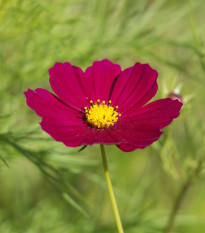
point(175, 96)
point(103, 105)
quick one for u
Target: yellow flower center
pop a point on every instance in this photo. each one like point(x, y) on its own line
point(101, 115)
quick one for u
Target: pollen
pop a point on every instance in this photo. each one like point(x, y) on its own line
point(101, 115)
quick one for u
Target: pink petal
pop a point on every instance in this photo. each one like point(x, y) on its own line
point(59, 120)
point(106, 136)
point(134, 87)
point(159, 113)
point(71, 136)
point(100, 78)
point(138, 136)
point(143, 128)
point(126, 147)
point(68, 82)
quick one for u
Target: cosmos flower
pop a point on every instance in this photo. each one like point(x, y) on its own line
point(103, 105)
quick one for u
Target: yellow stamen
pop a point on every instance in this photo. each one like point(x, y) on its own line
point(91, 103)
point(101, 115)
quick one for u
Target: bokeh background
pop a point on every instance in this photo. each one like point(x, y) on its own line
point(46, 187)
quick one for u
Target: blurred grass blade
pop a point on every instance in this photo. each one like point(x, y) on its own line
point(4, 161)
point(74, 204)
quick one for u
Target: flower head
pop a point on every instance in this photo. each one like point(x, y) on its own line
point(175, 96)
point(103, 105)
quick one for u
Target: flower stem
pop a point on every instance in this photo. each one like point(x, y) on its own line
point(176, 207)
point(110, 189)
point(181, 195)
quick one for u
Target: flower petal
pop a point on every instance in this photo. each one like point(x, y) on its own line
point(71, 136)
point(143, 127)
point(134, 87)
point(100, 77)
point(59, 120)
point(159, 113)
point(107, 136)
point(68, 82)
point(137, 136)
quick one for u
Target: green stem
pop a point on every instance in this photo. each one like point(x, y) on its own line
point(110, 189)
point(179, 199)
point(176, 206)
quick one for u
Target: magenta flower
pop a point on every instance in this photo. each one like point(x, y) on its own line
point(103, 105)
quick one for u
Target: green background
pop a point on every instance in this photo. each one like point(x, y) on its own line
point(46, 187)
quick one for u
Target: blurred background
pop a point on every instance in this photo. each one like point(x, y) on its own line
point(46, 187)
